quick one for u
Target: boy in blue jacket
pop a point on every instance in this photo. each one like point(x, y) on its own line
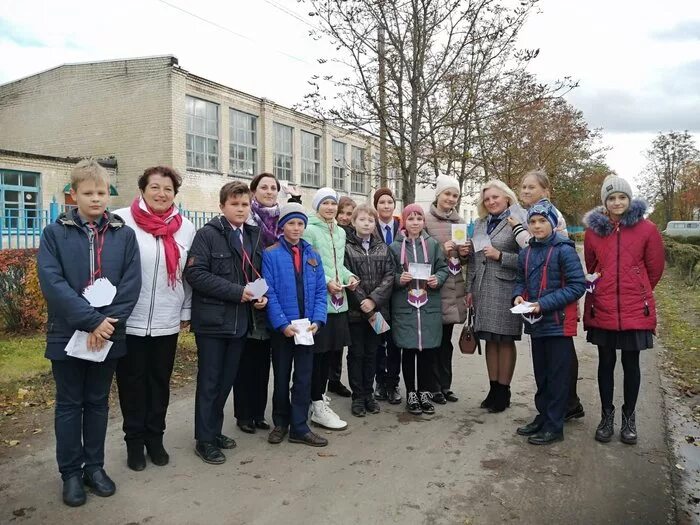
point(551, 277)
point(297, 290)
point(83, 245)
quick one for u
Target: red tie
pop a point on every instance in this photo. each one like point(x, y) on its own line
point(297, 258)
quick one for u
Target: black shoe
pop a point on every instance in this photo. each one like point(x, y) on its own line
point(575, 413)
point(224, 442)
point(501, 398)
point(135, 458)
point(371, 405)
point(425, 405)
point(247, 428)
point(450, 396)
point(339, 388)
point(277, 435)
point(412, 404)
point(545, 438)
point(488, 402)
point(393, 394)
point(311, 439)
point(439, 398)
point(99, 482)
point(606, 427)
point(530, 429)
point(209, 453)
point(159, 456)
point(262, 425)
point(628, 432)
point(381, 394)
point(74, 491)
point(358, 407)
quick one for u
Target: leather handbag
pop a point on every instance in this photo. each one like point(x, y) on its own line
point(468, 342)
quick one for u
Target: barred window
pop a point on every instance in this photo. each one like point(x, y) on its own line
point(339, 165)
point(202, 137)
point(243, 140)
point(358, 176)
point(283, 152)
point(310, 159)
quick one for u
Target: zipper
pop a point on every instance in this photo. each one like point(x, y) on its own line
point(153, 289)
point(619, 317)
point(91, 240)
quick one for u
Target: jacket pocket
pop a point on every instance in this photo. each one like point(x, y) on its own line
point(505, 274)
point(221, 263)
point(209, 311)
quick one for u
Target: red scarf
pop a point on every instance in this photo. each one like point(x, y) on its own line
point(157, 226)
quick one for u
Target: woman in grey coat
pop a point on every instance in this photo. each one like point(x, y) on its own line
point(491, 273)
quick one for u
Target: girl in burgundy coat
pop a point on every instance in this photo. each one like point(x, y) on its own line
point(625, 254)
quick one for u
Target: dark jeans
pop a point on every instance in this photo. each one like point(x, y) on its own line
point(250, 391)
point(217, 367)
point(82, 407)
point(362, 359)
point(422, 374)
point(573, 400)
point(143, 378)
point(285, 412)
point(319, 375)
point(388, 362)
point(551, 361)
point(443, 360)
point(606, 377)
point(336, 364)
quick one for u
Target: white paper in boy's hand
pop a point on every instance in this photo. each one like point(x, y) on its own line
point(523, 308)
point(378, 323)
point(303, 336)
point(100, 293)
point(459, 233)
point(77, 347)
point(258, 287)
point(480, 242)
point(420, 270)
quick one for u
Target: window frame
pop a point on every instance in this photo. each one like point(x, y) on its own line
point(311, 177)
point(356, 170)
point(278, 168)
point(22, 221)
point(192, 154)
point(247, 166)
point(339, 166)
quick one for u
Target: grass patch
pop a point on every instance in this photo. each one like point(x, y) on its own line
point(679, 329)
point(22, 357)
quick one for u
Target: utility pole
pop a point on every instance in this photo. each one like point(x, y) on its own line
point(382, 108)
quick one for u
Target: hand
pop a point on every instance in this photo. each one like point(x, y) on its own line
point(94, 342)
point(367, 305)
point(536, 308)
point(432, 281)
point(260, 303)
point(492, 253)
point(313, 328)
point(105, 329)
point(405, 278)
point(464, 250)
point(518, 300)
point(513, 221)
point(290, 331)
point(184, 325)
point(352, 283)
point(247, 296)
point(334, 287)
point(469, 300)
point(449, 246)
point(293, 191)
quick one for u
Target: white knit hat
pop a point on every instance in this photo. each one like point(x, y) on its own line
point(321, 195)
point(615, 184)
point(445, 182)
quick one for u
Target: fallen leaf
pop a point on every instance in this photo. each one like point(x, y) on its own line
point(13, 442)
point(22, 393)
point(325, 455)
point(679, 466)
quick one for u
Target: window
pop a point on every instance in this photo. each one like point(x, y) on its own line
point(283, 152)
point(310, 159)
point(202, 134)
point(243, 137)
point(19, 199)
point(358, 174)
point(339, 164)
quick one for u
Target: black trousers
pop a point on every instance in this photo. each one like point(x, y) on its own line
point(217, 367)
point(607, 358)
point(388, 362)
point(362, 359)
point(143, 378)
point(80, 418)
point(551, 361)
point(417, 365)
point(573, 400)
point(336, 370)
point(443, 360)
point(319, 375)
point(250, 390)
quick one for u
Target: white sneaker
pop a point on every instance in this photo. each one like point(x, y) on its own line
point(324, 417)
point(327, 402)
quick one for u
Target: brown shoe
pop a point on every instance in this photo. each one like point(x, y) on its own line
point(277, 435)
point(310, 439)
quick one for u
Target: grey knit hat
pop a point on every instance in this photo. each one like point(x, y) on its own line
point(292, 210)
point(615, 184)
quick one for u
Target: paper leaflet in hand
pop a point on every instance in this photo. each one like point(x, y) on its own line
point(459, 233)
point(258, 287)
point(100, 293)
point(479, 242)
point(519, 213)
point(591, 281)
point(420, 271)
point(77, 347)
point(523, 308)
point(303, 335)
point(356, 281)
point(378, 323)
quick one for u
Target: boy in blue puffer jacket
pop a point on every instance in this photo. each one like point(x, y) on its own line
point(551, 277)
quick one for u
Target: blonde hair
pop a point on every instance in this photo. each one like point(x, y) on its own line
point(88, 169)
point(500, 186)
point(364, 208)
point(541, 177)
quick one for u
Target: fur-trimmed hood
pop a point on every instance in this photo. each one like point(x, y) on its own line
point(600, 223)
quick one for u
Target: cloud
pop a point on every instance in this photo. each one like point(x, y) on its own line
point(683, 31)
point(14, 34)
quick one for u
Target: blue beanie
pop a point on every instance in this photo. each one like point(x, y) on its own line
point(547, 210)
point(292, 210)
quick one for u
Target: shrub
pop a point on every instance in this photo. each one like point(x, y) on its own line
point(577, 237)
point(685, 240)
point(22, 305)
point(685, 257)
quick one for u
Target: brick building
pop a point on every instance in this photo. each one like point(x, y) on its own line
point(150, 111)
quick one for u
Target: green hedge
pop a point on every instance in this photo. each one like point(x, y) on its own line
point(685, 257)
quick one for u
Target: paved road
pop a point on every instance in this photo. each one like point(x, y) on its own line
point(461, 466)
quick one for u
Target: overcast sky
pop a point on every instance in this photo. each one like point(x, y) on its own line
point(638, 62)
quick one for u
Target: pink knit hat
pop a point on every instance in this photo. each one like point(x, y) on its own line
point(408, 210)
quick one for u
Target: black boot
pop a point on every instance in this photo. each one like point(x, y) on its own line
point(135, 459)
point(158, 455)
point(488, 402)
point(628, 432)
point(606, 428)
point(501, 398)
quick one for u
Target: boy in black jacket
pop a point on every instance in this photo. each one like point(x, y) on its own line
point(83, 245)
point(226, 255)
point(367, 257)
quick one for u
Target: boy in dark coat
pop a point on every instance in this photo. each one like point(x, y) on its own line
point(85, 244)
point(551, 277)
point(224, 257)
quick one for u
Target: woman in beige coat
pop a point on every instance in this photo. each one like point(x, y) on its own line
point(438, 224)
